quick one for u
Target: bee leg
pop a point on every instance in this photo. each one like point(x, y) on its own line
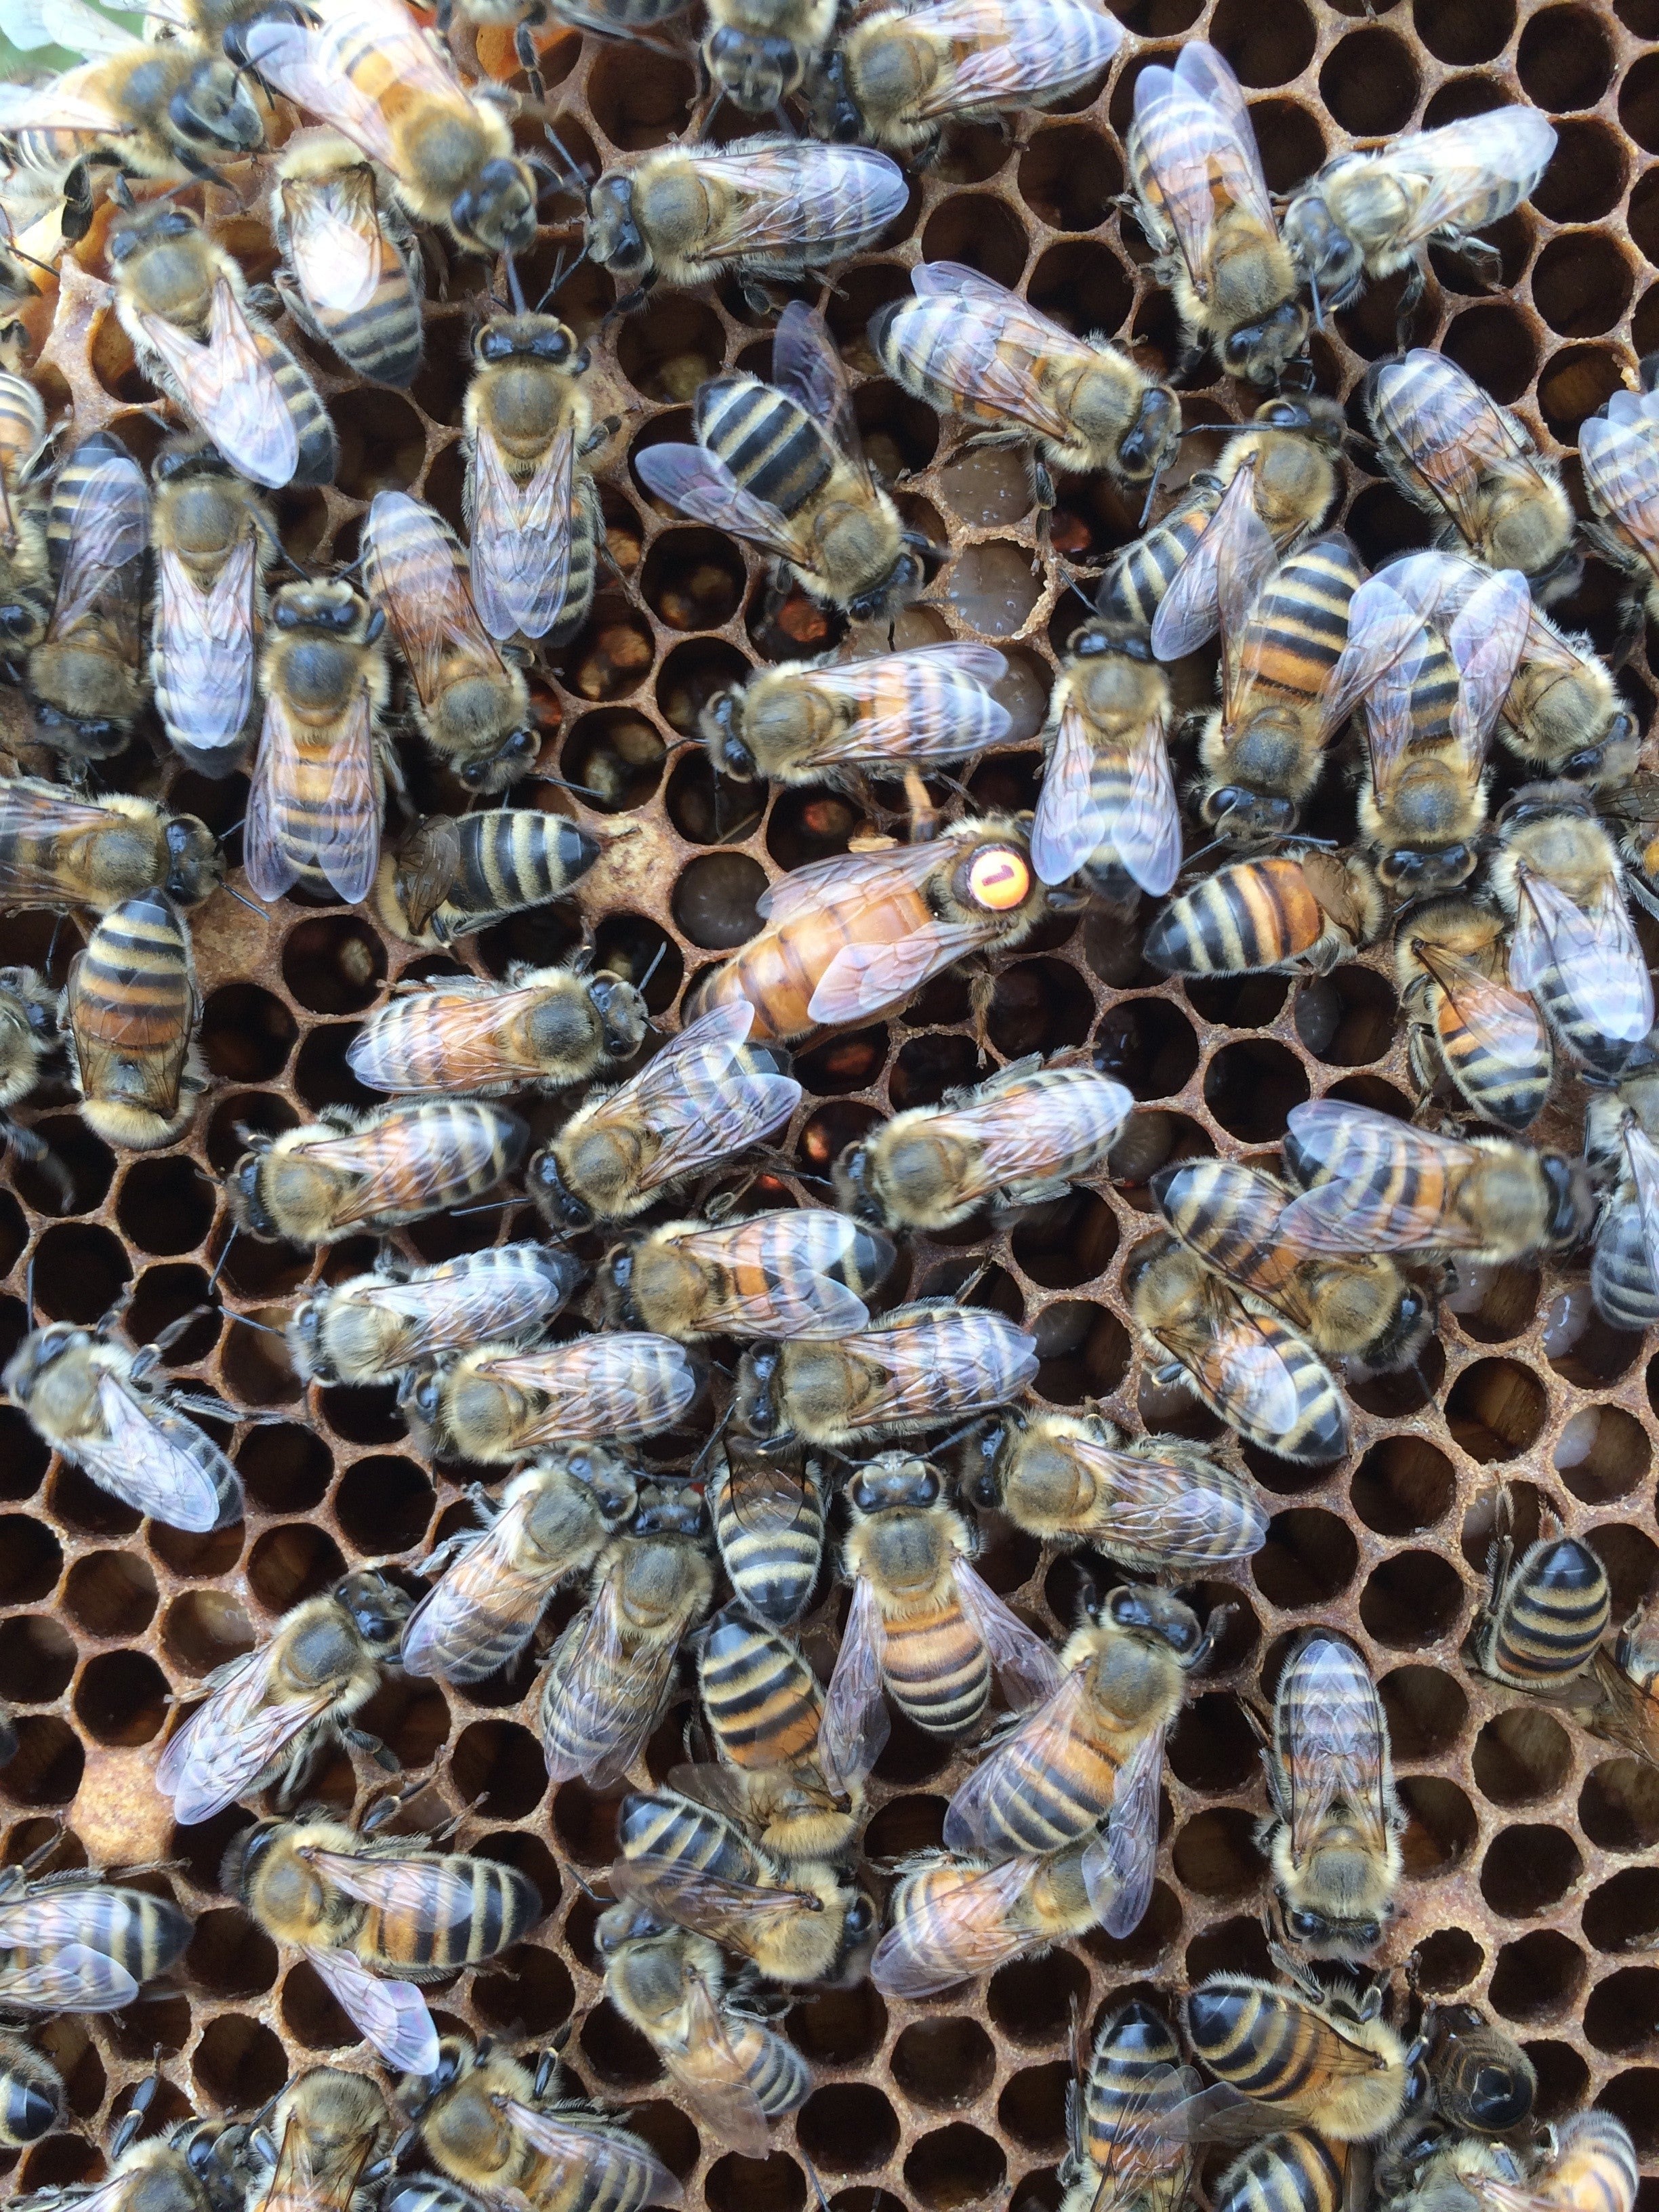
point(360, 1740)
point(1407, 310)
point(529, 60)
point(38, 1154)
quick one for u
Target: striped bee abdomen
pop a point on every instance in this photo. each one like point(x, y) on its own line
point(1298, 625)
point(320, 447)
point(762, 1698)
point(770, 1534)
point(771, 446)
point(1550, 1614)
point(666, 1827)
point(1254, 915)
point(1294, 2173)
point(936, 1667)
point(481, 1907)
point(1263, 2043)
point(130, 1006)
point(1141, 574)
point(1621, 1274)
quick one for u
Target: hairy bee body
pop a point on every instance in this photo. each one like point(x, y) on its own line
point(24, 566)
point(454, 877)
point(545, 1028)
point(331, 2130)
point(804, 1273)
point(1450, 2173)
point(32, 2099)
point(758, 52)
point(1546, 1614)
point(1481, 2079)
point(130, 1013)
point(1108, 806)
point(85, 680)
point(500, 1402)
point(1137, 577)
point(28, 1031)
point(214, 540)
point(765, 1712)
point(1620, 1127)
point(1334, 2065)
point(1306, 911)
point(375, 1328)
point(357, 275)
point(768, 1524)
point(58, 850)
point(73, 1942)
point(1117, 2159)
point(345, 1172)
point(953, 1918)
point(1451, 961)
point(1296, 2171)
point(1590, 2167)
point(1619, 448)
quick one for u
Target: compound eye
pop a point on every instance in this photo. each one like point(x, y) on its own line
point(1306, 1925)
point(495, 346)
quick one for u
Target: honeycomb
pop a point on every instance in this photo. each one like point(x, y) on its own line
point(1531, 1881)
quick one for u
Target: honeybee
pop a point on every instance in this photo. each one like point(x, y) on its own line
point(545, 1029)
point(687, 1865)
point(25, 570)
point(130, 1014)
point(899, 77)
point(1547, 1611)
point(1305, 912)
point(1572, 945)
point(611, 1671)
point(28, 1037)
point(1624, 1683)
point(1157, 1505)
point(1321, 2057)
point(1348, 1306)
point(313, 810)
point(550, 1523)
point(706, 1097)
point(1248, 1366)
point(923, 1627)
point(473, 706)
point(449, 877)
point(214, 542)
point(1020, 1138)
point(1108, 806)
point(532, 505)
point(1446, 2173)
point(1618, 449)
point(847, 940)
point(804, 1273)
point(758, 52)
point(85, 682)
point(768, 1522)
point(1121, 2157)
point(1386, 1187)
point(1427, 721)
point(489, 2123)
point(357, 277)
point(499, 1402)
point(925, 1366)
point(780, 465)
point(180, 299)
point(58, 850)
point(1204, 204)
point(269, 1712)
point(183, 2171)
point(1333, 1838)
point(376, 1916)
point(105, 1409)
point(367, 70)
point(32, 2100)
point(345, 1172)
point(770, 209)
point(375, 1328)
point(1470, 465)
point(1451, 960)
point(1591, 2166)
point(828, 721)
point(1479, 2077)
point(765, 1710)
point(951, 1918)
point(326, 2145)
point(1371, 214)
point(1619, 1128)
point(967, 345)
point(736, 2077)
point(74, 1943)
point(1296, 2170)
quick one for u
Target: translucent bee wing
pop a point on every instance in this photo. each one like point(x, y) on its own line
point(334, 241)
point(845, 880)
point(1128, 1848)
point(709, 1903)
point(1487, 638)
point(205, 653)
point(862, 980)
point(521, 536)
point(1619, 453)
point(855, 1726)
point(1147, 833)
point(391, 2016)
point(414, 570)
point(699, 484)
point(422, 1890)
point(1028, 1668)
point(230, 1740)
point(792, 1254)
point(71, 23)
point(108, 530)
point(72, 1977)
point(997, 348)
point(283, 834)
point(1335, 1743)
point(806, 368)
point(955, 280)
point(1501, 1023)
point(158, 1462)
point(611, 1694)
point(620, 2167)
point(228, 387)
point(1446, 173)
point(1158, 1505)
point(1382, 629)
point(1643, 1157)
point(975, 1819)
point(1014, 54)
point(1388, 718)
point(1240, 1363)
point(307, 61)
point(913, 704)
point(1201, 72)
point(1070, 822)
point(788, 189)
point(1233, 558)
point(697, 1099)
point(1371, 1159)
point(1594, 957)
point(482, 1596)
point(1449, 431)
point(710, 2076)
point(937, 1942)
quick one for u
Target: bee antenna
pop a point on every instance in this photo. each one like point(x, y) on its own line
point(263, 912)
point(513, 287)
point(715, 1434)
point(1151, 494)
point(581, 790)
point(28, 1290)
point(562, 277)
point(496, 1204)
point(247, 1321)
point(660, 955)
point(1318, 304)
point(223, 1256)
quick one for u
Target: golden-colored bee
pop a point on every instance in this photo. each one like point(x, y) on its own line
point(376, 1916)
point(1297, 2171)
point(1333, 1838)
point(491, 2124)
point(328, 2142)
point(768, 209)
point(1373, 1184)
point(357, 277)
point(376, 1328)
point(1203, 202)
point(130, 1014)
point(313, 810)
point(106, 1411)
point(32, 2100)
point(346, 1172)
point(1618, 449)
point(780, 465)
point(544, 1029)
point(1467, 1020)
point(180, 299)
point(804, 1273)
point(924, 1366)
point(951, 1918)
point(764, 1710)
point(967, 345)
point(1022, 1137)
point(1108, 806)
point(736, 2077)
point(74, 1943)
point(550, 1523)
point(499, 1402)
point(1547, 1613)
point(1480, 2078)
point(450, 878)
point(473, 706)
point(1159, 1505)
point(1235, 1353)
point(924, 1628)
point(85, 681)
point(1371, 214)
point(769, 1523)
point(214, 540)
point(1348, 1306)
point(1306, 911)
point(269, 1713)
point(705, 1098)
point(1318, 2057)
point(758, 52)
point(58, 850)
point(687, 1865)
point(25, 570)
point(1620, 1129)
point(369, 70)
point(1589, 2167)
point(849, 939)
point(1123, 2154)
point(612, 1669)
point(1470, 465)
point(899, 77)
point(832, 721)
point(1572, 944)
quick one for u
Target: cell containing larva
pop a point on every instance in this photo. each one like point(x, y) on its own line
point(377, 1327)
point(499, 1402)
point(1468, 1022)
point(346, 1172)
point(802, 1274)
point(450, 877)
point(354, 276)
point(1304, 911)
point(130, 1014)
point(544, 1029)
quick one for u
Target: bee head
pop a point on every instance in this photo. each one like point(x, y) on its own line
point(195, 864)
point(906, 576)
point(378, 1608)
point(1321, 249)
point(497, 211)
point(1258, 351)
point(729, 755)
point(854, 1191)
point(756, 1395)
point(1500, 2096)
point(622, 1014)
point(1142, 444)
point(212, 109)
point(242, 1189)
point(27, 2109)
point(1570, 1202)
point(244, 1855)
point(609, 1476)
point(547, 1187)
point(304, 1335)
point(1242, 816)
point(614, 234)
point(19, 625)
point(37, 1353)
point(421, 1396)
point(511, 759)
point(1418, 874)
point(618, 1278)
point(757, 72)
point(895, 1480)
point(136, 233)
